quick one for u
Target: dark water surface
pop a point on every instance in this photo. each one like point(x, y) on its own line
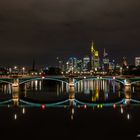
point(65, 122)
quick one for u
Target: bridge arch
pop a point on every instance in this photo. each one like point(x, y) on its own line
point(107, 79)
point(7, 82)
point(47, 78)
point(134, 82)
point(46, 104)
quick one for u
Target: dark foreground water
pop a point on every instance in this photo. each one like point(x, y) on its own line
point(65, 122)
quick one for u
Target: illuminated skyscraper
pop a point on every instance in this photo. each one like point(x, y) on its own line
point(86, 61)
point(137, 61)
point(94, 57)
point(72, 64)
point(105, 64)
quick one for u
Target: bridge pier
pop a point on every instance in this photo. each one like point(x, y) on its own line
point(71, 89)
point(15, 95)
point(127, 92)
point(127, 89)
point(15, 83)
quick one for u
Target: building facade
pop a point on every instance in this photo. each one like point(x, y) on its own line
point(137, 61)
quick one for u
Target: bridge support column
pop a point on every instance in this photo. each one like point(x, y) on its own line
point(127, 92)
point(15, 95)
point(71, 89)
point(15, 83)
point(127, 89)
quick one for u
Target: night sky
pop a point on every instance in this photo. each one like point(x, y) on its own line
point(46, 29)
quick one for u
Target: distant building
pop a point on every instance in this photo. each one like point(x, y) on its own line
point(106, 62)
point(60, 64)
point(3, 71)
point(124, 63)
point(86, 61)
point(72, 65)
point(137, 61)
point(79, 65)
point(94, 57)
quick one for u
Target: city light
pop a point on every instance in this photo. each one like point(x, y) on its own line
point(85, 106)
point(114, 105)
point(128, 116)
point(43, 106)
point(15, 116)
point(23, 111)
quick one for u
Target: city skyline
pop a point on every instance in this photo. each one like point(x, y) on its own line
point(55, 61)
point(45, 30)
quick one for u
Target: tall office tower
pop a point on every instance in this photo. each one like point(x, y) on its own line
point(72, 64)
point(86, 61)
point(105, 63)
point(137, 61)
point(94, 58)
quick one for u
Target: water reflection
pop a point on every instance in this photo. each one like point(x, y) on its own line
point(41, 90)
point(15, 95)
point(98, 90)
point(88, 91)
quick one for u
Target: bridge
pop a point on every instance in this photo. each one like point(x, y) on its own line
point(72, 81)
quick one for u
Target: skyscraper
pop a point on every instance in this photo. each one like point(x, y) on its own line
point(94, 57)
point(105, 63)
point(137, 61)
point(86, 61)
point(72, 64)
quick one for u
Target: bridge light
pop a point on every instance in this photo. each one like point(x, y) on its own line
point(15, 67)
point(114, 77)
point(114, 106)
point(85, 106)
point(101, 106)
point(43, 106)
point(43, 77)
point(98, 106)
point(78, 106)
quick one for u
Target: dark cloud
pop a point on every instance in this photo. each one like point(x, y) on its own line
point(45, 29)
